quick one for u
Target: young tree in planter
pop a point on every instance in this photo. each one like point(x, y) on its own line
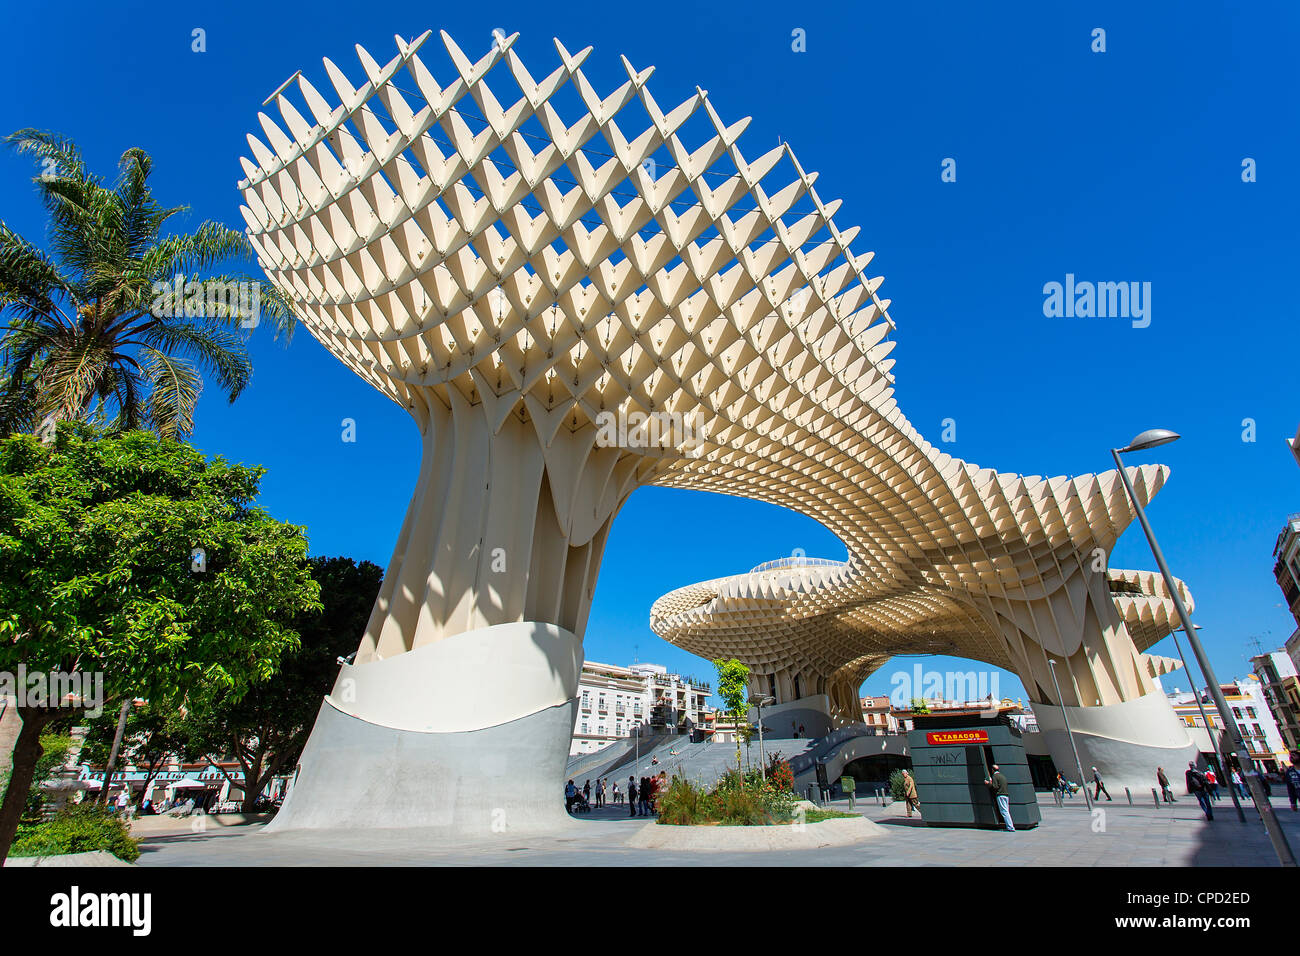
point(136, 559)
point(265, 729)
point(733, 688)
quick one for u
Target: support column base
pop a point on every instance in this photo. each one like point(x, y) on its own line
point(468, 736)
point(1126, 743)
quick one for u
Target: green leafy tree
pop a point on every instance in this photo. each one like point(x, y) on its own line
point(86, 332)
point(733, 689)
point(265, 729)
point(919, 706)
point(98, 576)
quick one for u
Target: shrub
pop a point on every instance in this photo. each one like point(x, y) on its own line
point(78, 829)
point(897, 790)
point(736, 800)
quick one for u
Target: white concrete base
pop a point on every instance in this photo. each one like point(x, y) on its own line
point(1126, 742)
point(813, 712)
point(810, 836)
point(468, 735)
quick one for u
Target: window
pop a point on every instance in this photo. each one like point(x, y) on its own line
point(586, 701)
point(584, 726)
point(1250, 712)
point(1236, 712)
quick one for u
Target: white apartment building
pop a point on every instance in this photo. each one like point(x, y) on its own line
point(614, 701)
point(1277, 673)
point(1250, 709)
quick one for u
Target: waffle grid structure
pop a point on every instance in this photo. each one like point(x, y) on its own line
point(516, 279)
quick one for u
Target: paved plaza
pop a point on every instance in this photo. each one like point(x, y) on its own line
point(1140, 835)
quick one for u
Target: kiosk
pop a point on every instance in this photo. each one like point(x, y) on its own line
point(952, 756)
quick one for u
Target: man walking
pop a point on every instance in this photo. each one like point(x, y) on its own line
point(1101, 787)
point(631, 795)
point(1292, 777)
point(1165, 792)
point(909, 794)
point(1196, 786)
point(998, 785)
point(1212, 783)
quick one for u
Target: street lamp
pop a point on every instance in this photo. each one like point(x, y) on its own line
point(1151, 439)
point(1083, 781)
point(757, 703)
point(1218, 766)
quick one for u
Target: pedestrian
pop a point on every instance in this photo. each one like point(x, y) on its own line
point(909, 794)
point(801, 731)
point(1165, 792)
point(1292, 777)
point(1238, 784)
point(794, 730)
point(1063, 786)
point(618, 796)
point(645, 796)
point(600, 792)
point(1198, 787)
point(123, 801)
point(631, 795)
point(586, 791)
point(1101, 787)
point(998, 785)
point(570, 794)
point(1212, 782)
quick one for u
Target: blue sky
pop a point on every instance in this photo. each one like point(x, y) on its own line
point(1117, 166)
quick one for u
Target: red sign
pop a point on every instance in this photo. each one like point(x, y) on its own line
point(942, 738)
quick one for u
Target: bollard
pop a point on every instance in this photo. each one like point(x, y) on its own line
point(1156, 797)
point(1129, 793)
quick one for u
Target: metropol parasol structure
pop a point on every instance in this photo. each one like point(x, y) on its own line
point(538, 272)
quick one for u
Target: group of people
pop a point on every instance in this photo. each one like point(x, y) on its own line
point(640, 795)
point(1204, 785)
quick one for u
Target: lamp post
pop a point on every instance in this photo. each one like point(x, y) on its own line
point(1151, 439)
point(1218, 764)
point(1083, 782)
point(758, 703)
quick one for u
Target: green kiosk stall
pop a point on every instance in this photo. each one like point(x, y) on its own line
point(952, 756)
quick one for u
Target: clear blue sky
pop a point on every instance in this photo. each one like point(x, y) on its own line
point(1123, 165)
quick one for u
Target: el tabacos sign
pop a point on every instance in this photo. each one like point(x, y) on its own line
point(944, 738)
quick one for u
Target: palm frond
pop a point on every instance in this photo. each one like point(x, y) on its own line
point(174, 392)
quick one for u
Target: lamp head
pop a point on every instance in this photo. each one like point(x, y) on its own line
point(1150, 439)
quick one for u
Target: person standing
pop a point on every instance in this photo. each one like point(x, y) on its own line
point(909, 794)
point(632, 795)
point(617, 794)
point(1101, 787)
point(1238, 783)
point(1292, 777)
point(1063, 786)
point(998, 785)
point(1165, 792)
point(586, 791)
point(570, 792)
point(1197, 787)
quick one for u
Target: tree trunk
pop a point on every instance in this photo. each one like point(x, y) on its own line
point(112, 753)
point(27, 751)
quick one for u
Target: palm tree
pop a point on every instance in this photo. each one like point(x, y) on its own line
point(114, 325)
